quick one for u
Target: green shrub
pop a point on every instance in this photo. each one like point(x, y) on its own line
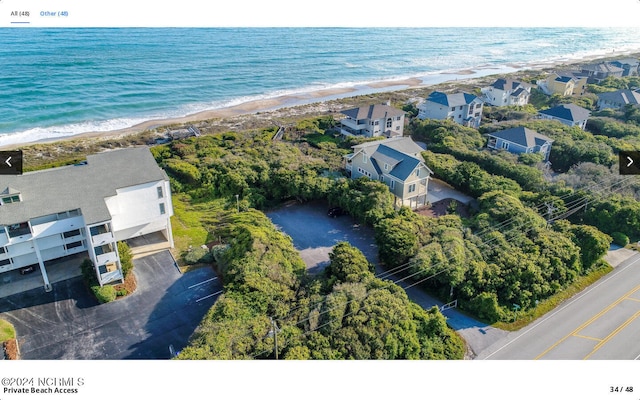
point(126, 258)
point(104, 294)
point(122, 292)
point(198, 255)
point(620, 238)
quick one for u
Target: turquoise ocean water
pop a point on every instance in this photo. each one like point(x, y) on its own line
point(61, 82)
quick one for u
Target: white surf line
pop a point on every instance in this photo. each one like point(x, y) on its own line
point(560, 309)
point(202, 283)
point(206, 297)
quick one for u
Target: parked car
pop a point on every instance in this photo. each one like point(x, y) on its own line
point(27, 270)
point(335, 212)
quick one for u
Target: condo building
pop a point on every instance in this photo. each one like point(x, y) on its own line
point(85, 208)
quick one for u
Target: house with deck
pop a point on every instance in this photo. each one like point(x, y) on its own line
point(372, 121)
point(85, 209)
point(507, 92)
point(520, 140)
point(568, 114)
point(397, 162)
point(462, 108)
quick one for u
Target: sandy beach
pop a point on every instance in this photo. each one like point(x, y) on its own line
point(319, 101)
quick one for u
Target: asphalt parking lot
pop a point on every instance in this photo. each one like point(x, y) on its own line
point(68, 323)
point(314, 233)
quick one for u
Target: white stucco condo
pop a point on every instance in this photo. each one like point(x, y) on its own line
point(89, 207)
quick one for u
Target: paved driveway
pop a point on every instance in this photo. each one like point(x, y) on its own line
point(314, 233)
point(67, 323)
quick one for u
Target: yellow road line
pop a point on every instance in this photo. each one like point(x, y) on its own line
point(588, 337)
point(589, 321)
point(632, 299)
point(612, 334)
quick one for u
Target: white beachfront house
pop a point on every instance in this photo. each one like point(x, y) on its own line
point(463, 108)
point(507, 92)
point(372, 121)
point(49, 214)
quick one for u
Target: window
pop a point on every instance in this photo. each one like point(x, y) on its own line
point(71, 233)
point(389, 123)
point(386, 166)
point(160, 194)
point(478, 105)
point(418, 172)
point(453, 108)
point(412, 187)
point(73, 245)
point(2, 250)
point(377, 123)
point(398, 118)
point(461, 107)
point(162, 210)
point(11, 199)
point(392, 184)
point(19, 229)
point(364, 158)
point(505, 145)
point(5, 262)
point(477, 114)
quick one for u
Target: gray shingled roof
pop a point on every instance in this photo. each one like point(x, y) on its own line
point(621, 96)
point(569, 112)
point(403, 144)
point(376, 111)
point(523, 136)
point(83, 186)
point(401, 152)
point(602, 67)
point(451, 100)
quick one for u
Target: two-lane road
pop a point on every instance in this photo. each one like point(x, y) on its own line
point(600, 323)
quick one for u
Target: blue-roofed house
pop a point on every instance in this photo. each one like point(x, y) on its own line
point(564, 83)
point(507, 92)
point(463, 108)
point(398, 163)
point(568, 114)
point(630, 66)
point(520, 140)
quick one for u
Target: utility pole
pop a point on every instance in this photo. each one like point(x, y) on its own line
point(550, 210)
point(274, 332)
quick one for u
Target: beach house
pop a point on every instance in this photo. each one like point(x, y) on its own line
point(373, 120)
point(630, 66)
point(84, 209)
point(600, 71)
point(564, 83)
point(463, 108)
point(507, 92)
point(618, 99)
point(520, 140)
point(568, 114)
point(398, 163)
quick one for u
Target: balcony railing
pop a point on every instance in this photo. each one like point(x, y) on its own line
point(102, 238)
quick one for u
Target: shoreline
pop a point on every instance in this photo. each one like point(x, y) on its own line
point(291, 101)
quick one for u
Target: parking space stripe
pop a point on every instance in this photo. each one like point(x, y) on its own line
point(206, 297)
point(202, 283)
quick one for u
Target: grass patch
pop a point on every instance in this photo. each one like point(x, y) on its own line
point(197, 223)
point(552, 302)
point(7, 331)
point(316, 138)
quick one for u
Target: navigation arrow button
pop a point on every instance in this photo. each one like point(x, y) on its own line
point(630, 161)
point(11, 162)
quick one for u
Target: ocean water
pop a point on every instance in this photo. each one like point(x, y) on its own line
point(61, 82)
